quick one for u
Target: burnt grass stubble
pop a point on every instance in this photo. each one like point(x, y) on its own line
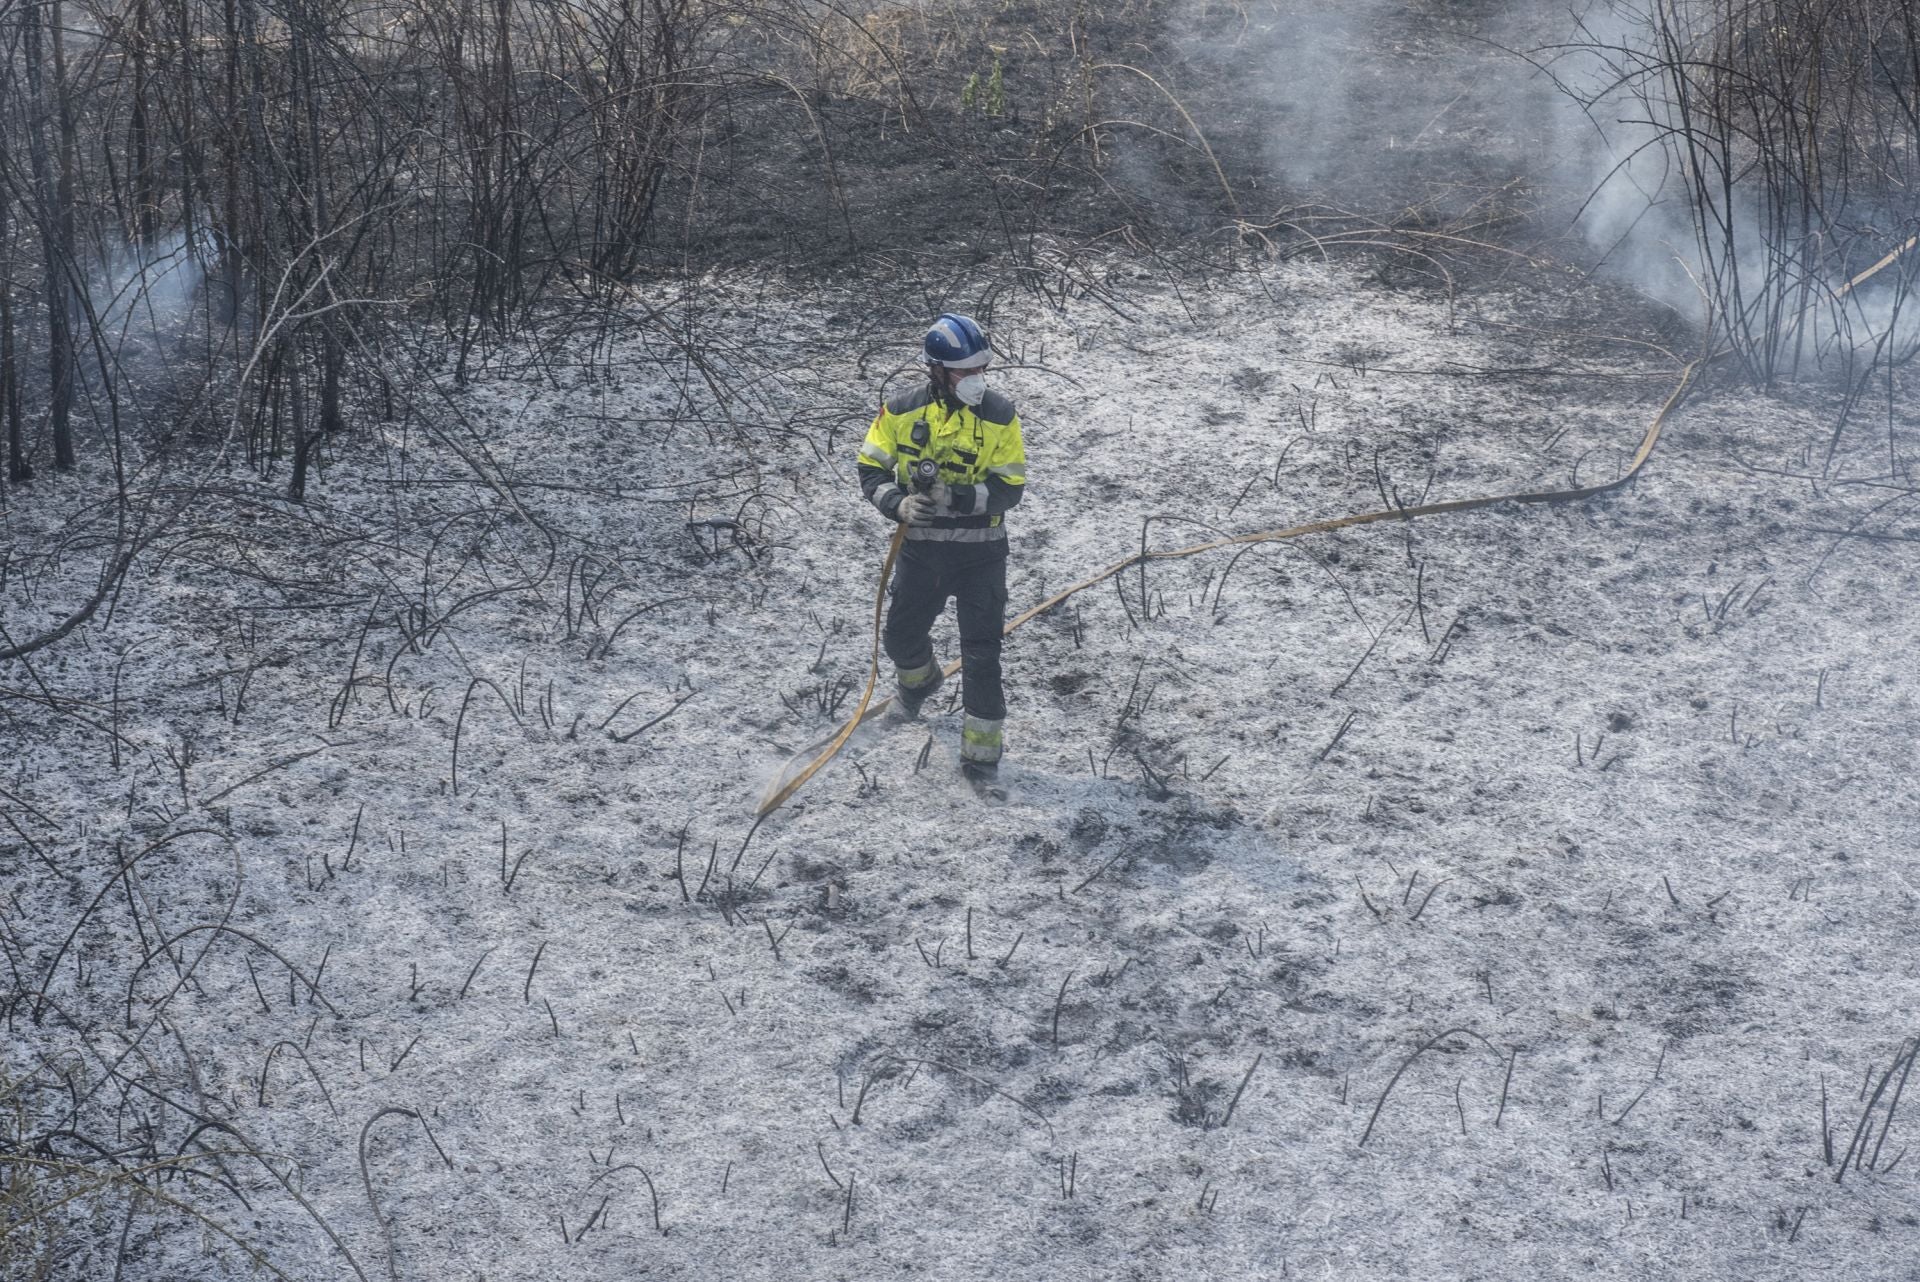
point(1598, 943)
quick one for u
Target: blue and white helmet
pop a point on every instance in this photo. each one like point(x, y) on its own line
point(957, 342)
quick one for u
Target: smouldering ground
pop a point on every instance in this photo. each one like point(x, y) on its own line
point(1624, 791)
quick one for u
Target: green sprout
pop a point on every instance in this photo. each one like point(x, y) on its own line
point(994, 99)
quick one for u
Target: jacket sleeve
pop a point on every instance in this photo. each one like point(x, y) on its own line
point(876, 468)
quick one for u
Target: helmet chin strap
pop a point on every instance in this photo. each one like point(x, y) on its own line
point(942, 378)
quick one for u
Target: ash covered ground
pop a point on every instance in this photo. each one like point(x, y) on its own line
point(1521, 891)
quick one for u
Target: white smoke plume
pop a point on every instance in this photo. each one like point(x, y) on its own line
point(147, 293)
point(1385, 107)
point(1686, 244)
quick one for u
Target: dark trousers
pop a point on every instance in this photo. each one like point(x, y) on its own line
point(974, 577)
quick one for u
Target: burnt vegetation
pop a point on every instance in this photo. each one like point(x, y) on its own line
point(247, 224)
point(1788, 133)
point(247, 241)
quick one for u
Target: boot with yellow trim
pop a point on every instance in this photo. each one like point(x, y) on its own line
point(981, 743)
point(914, 686)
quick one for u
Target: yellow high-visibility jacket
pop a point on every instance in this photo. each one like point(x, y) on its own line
point(981, 458)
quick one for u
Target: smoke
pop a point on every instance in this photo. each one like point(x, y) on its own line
point(1381, 107)
point(1557, 125)
point(1727, 253)
point(145, 294)
point(1612, 143)
point(1316, 72)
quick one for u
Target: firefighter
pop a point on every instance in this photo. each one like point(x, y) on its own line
point(956, 537)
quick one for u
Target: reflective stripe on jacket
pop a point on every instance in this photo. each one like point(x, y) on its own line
point(980, 454)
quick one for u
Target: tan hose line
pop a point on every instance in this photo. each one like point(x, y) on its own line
point(778, 794)
point(774, 799)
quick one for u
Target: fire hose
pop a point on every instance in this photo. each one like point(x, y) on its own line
point(778, 793)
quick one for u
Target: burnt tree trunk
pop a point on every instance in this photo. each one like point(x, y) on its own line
point(18, 470)
point(55, 219)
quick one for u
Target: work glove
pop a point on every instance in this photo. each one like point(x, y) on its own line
point(918, 509)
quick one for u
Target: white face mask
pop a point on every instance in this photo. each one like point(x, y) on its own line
point(972, 389)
